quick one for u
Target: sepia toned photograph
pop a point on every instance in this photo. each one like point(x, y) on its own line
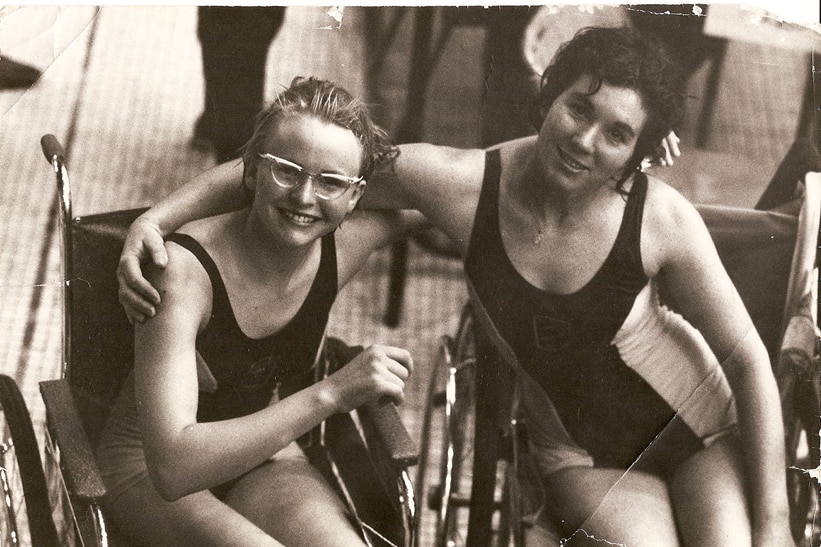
point(417, 276)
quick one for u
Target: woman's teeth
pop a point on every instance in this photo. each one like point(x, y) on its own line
point(570, 161)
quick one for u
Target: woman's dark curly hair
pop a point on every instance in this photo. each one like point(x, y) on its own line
point(619, 57)
point(330, 103)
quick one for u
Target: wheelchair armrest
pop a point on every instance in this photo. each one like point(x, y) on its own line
point(77, 461)
point(385, 422)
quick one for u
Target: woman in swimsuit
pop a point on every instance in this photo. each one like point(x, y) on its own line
point(200, 448)
point(651, 427)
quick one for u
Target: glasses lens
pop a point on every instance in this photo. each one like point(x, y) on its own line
point(285, 174)
point(331, 186)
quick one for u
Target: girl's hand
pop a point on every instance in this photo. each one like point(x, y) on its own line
point(376, 373)
point(143, 242)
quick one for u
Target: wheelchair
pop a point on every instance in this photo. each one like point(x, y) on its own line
point(26, 513)
point(365, 455)
point(476, 479)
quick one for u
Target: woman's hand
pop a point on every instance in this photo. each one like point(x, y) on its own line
point(377, 373)
point(665, 154)
point(143, 243)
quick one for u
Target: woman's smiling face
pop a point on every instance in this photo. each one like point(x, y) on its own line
point(296, 215)
point(587, 139)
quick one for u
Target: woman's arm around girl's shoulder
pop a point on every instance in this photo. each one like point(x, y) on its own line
point(441, 182)
point(365, 231)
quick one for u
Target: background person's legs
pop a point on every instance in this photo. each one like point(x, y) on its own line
point(235, 43)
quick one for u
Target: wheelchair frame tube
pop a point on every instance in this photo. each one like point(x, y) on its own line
point(55, 155)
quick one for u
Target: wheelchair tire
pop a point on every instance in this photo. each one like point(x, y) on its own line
point(24, 483)
point(449, 415)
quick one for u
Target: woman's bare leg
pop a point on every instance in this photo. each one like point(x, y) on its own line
point(627, 508)
point(708, 495)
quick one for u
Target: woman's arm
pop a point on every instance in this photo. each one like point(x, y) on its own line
point(215, 191)
point(368, 230)
point(442, 183)
point(690, 271)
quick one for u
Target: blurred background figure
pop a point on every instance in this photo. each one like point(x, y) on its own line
point(235, 43)
point(16, 75)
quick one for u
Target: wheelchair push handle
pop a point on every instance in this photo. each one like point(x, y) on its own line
point(52, 148)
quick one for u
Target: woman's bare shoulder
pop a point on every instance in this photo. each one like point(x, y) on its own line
point(671, 227)
point(666, 204)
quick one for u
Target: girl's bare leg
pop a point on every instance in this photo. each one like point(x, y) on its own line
point(197, 520)
point(291, 501)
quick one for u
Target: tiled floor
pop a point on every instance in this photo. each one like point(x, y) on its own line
point(122, 87)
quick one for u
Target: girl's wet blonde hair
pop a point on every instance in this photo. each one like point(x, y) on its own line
point(330, 103)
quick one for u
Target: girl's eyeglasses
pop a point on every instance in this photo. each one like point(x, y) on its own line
point(288, 175)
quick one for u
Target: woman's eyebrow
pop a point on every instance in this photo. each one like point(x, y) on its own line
point(620, 125)
point(626, 128)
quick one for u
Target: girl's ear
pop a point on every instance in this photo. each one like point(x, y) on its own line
point(249, 180)
point(356, 195)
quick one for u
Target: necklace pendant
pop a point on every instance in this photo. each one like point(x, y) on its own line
point(537, 238)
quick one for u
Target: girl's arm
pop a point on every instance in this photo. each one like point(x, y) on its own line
point(184, 456)
point(690, 271)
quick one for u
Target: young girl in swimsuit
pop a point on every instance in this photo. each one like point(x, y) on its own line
point(651, 427)
point(200, 449)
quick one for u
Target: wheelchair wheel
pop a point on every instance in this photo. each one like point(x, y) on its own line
point(446, 454)
point(26, 507)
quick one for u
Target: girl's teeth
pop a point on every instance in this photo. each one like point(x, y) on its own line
point(301, 219)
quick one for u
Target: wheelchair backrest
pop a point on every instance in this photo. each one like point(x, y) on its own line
point(756, 248)
point(771, 256)
point(102, 340)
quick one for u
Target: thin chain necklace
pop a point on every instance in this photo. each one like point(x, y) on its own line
point(538, 236)
point(537, 217)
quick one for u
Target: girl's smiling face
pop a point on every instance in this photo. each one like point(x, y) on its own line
point(587, 139)
point(296, 216)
